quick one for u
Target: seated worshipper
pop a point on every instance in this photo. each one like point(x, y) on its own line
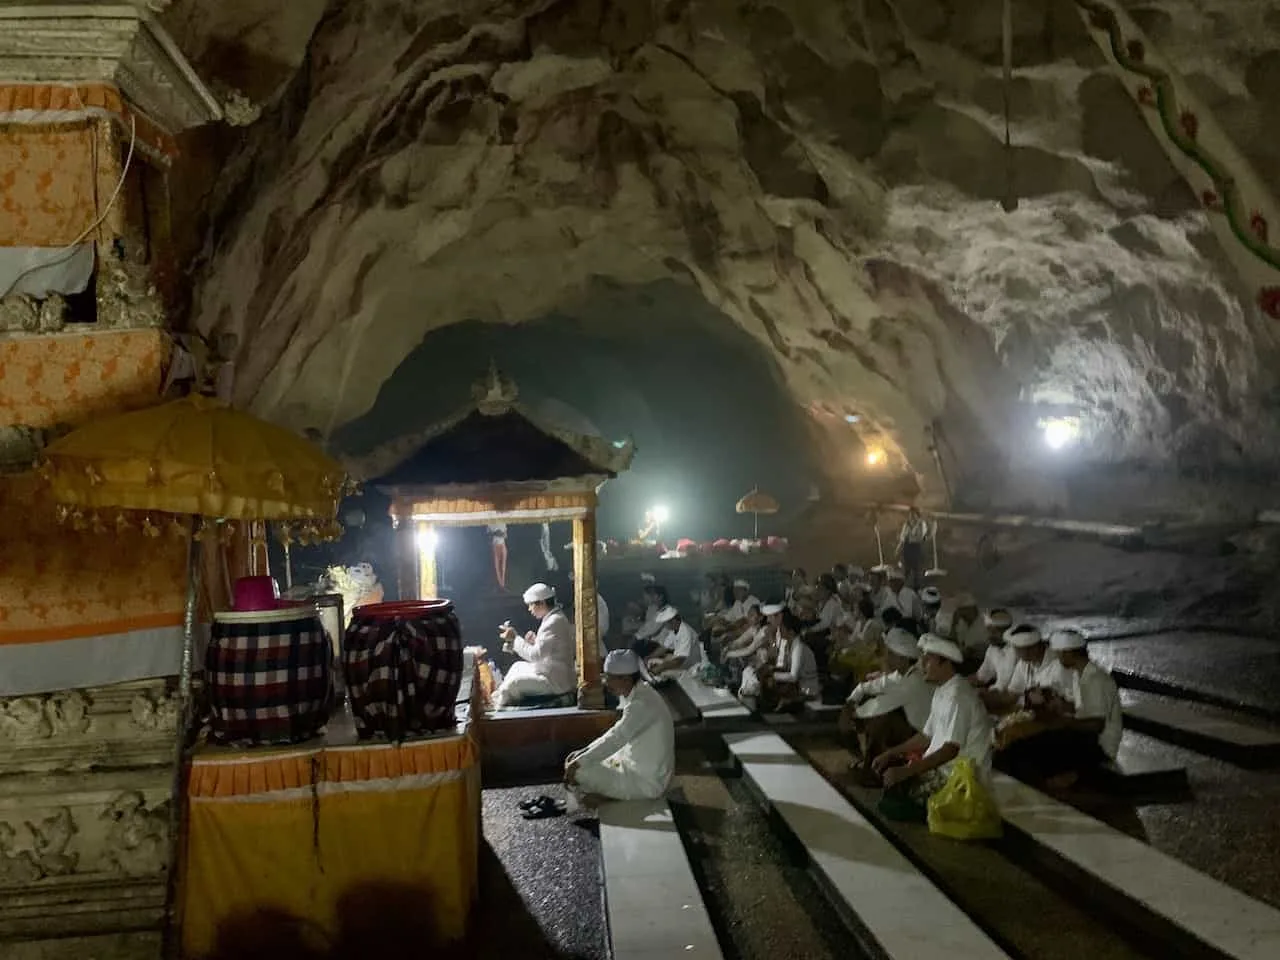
point(998, 659)
point(680, 649)
point(897, 594)
point(1066, 732)
point(799, 581)
point(761, 662)
point(1033, 669)
point(968, 629)
point(857, 650)
point(930, 604)
point(711, 596)
point(957, 726)
point(646, 637)
point(545, 671)
point(793, 680)
point(818, 634)
point(634, 758)
point(889, 707)
point(740, 650)
point(733, 619)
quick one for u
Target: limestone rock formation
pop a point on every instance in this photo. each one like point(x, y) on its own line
point(828, 175)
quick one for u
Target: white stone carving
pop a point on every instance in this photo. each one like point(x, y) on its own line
point(122, 44)
point(151, 712)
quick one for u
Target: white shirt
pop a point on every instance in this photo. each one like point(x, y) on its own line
point(683, 643)
point(997, 665)
point(551, 653)
point(738, 609)
point(1094, 693)
point(602, 624)
point(643, 740)
point(972, 637)
point(957, 716)
point(914, 531)
point(751, 640)
point(889, 691)
point(797, 664)
point(1026, 676)
point(829, 616)
point(651, 627)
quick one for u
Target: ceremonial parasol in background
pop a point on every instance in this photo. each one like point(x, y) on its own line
point(197, 466)
point(756, 503)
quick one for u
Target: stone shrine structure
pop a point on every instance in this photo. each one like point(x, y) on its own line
point(92, 96)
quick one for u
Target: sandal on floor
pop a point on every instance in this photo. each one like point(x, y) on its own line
point(547, 808)
point(531, 803)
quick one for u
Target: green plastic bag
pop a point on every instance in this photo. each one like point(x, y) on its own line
point(962, 808)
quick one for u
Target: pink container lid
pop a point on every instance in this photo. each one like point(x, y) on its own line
point(255, 593)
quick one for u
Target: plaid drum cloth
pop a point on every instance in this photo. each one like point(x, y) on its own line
point(269, 676)
point(403, 666)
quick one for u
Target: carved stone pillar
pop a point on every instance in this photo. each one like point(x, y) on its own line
point(590, 692)
point(424, 545)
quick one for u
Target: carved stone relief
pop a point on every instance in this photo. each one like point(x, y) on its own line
point(21, 313)
point(127, 299)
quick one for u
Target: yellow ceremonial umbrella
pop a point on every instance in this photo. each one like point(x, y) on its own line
point(757, 503)
point(200, 458)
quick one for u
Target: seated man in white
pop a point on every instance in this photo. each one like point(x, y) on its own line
point(958, 726)
point(735, 617)
point(888, 707)
point(681, 650)
point(546, 665)
point(1033, 668)
point(635, 757)
point(1077, 725)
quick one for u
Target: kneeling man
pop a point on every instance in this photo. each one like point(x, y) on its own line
point(634, 758)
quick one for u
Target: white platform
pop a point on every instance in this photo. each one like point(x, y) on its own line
point(1222, 917)
point(910, 917)
point(655, 909)
point(713, 703)
point(1200, 723)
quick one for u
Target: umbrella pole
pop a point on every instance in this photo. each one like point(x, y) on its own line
point(177, 810)
point(756, 517)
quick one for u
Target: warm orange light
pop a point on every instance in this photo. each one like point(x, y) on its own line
point(875, 458)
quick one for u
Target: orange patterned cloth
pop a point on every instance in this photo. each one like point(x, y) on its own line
point(47, 190)
point(71, 378)
point(57, 583)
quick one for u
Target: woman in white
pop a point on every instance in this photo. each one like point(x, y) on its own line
point(546, 664)
point(742, 648)
point(635, 757)
point(795, 672)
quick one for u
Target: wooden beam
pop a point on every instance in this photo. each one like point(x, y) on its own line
point(590, 693)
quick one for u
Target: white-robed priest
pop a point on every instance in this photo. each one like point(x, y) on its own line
point(635, 757)
point(546, 664)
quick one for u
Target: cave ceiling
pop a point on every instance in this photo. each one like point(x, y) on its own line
point(831, 177)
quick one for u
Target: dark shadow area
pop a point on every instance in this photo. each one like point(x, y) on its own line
point(383, 920)
point(703, 400)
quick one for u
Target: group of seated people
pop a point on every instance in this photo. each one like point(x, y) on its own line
point(924, 678)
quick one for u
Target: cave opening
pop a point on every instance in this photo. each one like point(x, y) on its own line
point(704, 402)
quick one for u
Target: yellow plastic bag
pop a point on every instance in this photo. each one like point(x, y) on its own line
point(962, 808)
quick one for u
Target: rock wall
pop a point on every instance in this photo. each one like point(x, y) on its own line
point(831, 177)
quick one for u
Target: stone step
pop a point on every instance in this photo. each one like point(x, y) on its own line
point(1218, 916)
point(654, 906)
point(885, 896)
point(1203, 729)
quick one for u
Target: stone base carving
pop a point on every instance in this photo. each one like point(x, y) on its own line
point(20, 313)
point(85, 782)
point(127, 299)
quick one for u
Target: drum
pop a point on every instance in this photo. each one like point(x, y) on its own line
point(269, 676)
point(403, 664)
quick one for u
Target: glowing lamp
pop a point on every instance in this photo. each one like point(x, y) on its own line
point(428, 539)
point(875, 458)
point(1059, 432)
point(661, 514)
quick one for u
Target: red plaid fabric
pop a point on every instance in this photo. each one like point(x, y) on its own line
point(269, 682)
point(403, 666)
